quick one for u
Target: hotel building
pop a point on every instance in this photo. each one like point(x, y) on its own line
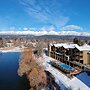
point(71, 54)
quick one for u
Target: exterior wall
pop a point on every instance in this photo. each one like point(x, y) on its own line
point(63, 54)
point(88, 58)
point(75, 55)
point(85, 57)
point(49, 50)
point(10, 44)
point(81, 57)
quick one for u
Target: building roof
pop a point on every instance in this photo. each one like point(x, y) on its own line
point(83, 48)
point(65, 45)
point(70, 45)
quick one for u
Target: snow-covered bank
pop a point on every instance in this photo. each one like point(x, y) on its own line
point(76, 84)
point(16, 49)
point(61, 79)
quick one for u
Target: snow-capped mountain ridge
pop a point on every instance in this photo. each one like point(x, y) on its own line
point(39, 33)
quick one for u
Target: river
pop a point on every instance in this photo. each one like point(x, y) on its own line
point(9, 79)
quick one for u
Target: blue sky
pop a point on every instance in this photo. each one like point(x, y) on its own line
point(57, 15)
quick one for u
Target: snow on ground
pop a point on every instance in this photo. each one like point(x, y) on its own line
point(61, 79)
point(77, 84)
point(16, 49)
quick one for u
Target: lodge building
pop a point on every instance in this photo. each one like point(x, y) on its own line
point(69, 53)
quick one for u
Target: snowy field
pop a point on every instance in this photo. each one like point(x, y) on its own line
point(16, 49)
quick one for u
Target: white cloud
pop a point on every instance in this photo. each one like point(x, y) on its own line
point(71, 27)
point(52, 33)
point(12, 28)
point(29, 29)
point(25, 29)
point(50, 28)
point(32, 29)
point(44, 11)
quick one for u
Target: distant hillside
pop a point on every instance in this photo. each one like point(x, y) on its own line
point(61, 37)
point(16, 36)
point(46, 36)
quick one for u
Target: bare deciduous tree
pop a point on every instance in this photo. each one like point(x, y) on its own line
point(35, 73)
point(39, 48)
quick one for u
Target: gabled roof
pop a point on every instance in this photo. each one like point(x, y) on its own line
point(83, 48)
point(70, 45)
point(65, 45)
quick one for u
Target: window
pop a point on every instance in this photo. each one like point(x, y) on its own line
point(81, 61)
point(81, 56)
point(81, 52)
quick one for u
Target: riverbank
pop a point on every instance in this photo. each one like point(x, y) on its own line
point(29, 66)
point(11, 49)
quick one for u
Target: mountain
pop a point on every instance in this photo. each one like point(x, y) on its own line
point(45, 34)
point(39, 33)
point(61, 37)
point(55, 37)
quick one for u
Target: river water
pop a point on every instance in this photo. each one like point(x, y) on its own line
point(9, 79)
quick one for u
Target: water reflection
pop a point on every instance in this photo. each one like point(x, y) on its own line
point(9, 79)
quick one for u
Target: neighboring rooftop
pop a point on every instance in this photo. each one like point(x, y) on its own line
point(85, 78)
